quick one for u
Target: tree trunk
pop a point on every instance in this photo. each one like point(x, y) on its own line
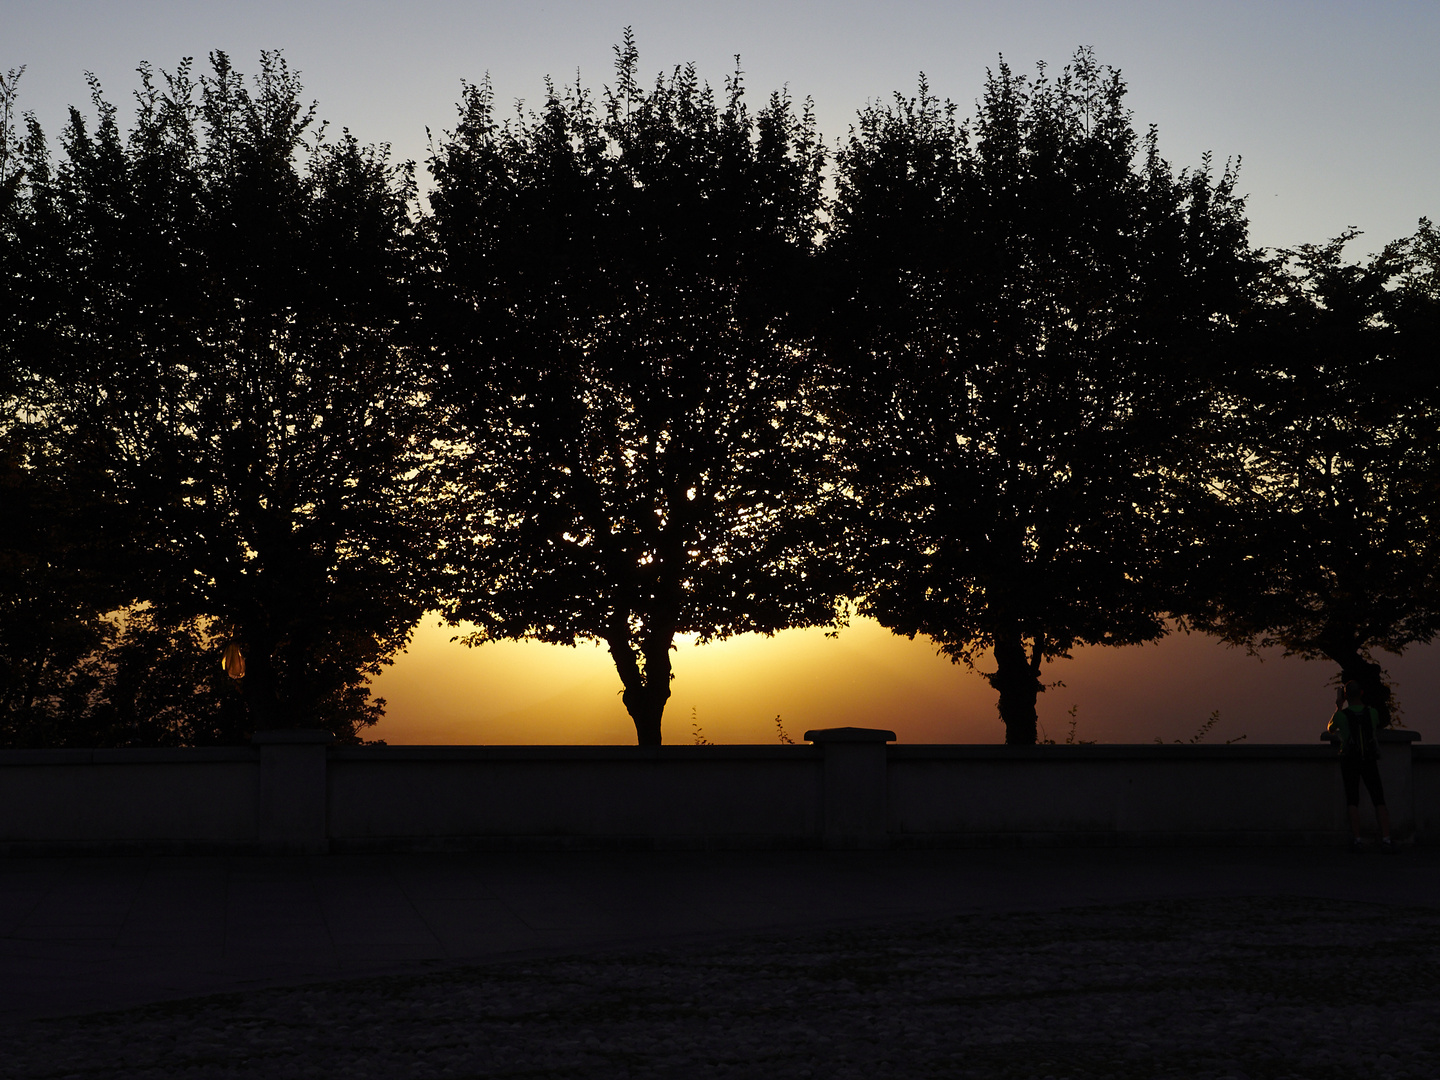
point(258, 687)
point(647, 691)
point(1017, 680)
point(646, 706)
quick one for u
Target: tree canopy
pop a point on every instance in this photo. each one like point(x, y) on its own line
point(1025, 310)
point(1326, 538)
point(613, 333)
point(208, 331)
point(1018, 385)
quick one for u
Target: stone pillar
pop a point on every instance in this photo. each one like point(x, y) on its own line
point(853, 803)
point(291, 807)
point(1397, 778)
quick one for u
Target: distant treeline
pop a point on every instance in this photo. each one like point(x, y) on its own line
point(652, 361)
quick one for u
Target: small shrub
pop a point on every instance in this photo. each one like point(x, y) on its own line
point(781, 733)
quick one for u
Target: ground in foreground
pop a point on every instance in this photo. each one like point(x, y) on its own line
point(1251, 988)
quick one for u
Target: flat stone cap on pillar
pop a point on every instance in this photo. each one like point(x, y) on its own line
point(849, 734)
point(292, 736)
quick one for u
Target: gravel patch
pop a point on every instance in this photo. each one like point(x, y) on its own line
point(1248, 988)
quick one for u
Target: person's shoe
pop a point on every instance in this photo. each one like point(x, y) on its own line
point(1357, 846)
point(1387, 847)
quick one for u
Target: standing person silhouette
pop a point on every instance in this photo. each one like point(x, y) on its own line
point(1356, 724)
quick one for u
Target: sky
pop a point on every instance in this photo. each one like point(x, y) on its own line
point(1330, 107)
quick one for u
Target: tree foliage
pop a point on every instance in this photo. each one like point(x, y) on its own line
point(208, 331)
point(1019, 386)
point(1026, 309)
point(612, 328)
point(1327, 544)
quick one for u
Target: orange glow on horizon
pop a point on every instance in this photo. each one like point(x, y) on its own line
point(441, 692)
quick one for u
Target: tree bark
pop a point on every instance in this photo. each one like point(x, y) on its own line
point(647, 691)
point(646, 706)
point(1017, 678)
point(262, 698)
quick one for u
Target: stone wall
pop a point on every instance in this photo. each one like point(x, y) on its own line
point(428, 797)
point(848, 788)
point(1425, 780)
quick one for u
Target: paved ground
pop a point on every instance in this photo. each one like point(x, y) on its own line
point(86, 934)
point(1272, 988)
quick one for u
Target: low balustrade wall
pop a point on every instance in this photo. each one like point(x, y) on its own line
point(847, 788)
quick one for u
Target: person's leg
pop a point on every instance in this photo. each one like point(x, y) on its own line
point(1371, 775)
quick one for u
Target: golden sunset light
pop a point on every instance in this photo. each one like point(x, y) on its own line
point(440, 691)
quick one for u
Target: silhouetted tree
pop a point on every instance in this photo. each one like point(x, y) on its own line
point(12, 172)
point(1327, 544)
point(210, 328)
point(1026, 311)
point(51, 624)
point(633, 459)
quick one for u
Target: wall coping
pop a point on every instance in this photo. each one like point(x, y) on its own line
point(849, 735)
point(1110, 752)
point(292, 737)
point(725, 752)
point(129, 755)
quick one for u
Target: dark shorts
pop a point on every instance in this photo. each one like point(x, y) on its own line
point(1352, 771)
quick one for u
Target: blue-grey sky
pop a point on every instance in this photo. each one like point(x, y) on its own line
point(1331, 105)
